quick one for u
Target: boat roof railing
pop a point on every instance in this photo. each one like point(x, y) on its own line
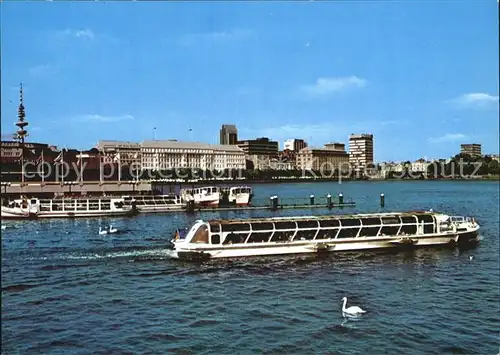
point(319, 218)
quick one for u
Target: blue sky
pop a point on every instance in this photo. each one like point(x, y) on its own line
point(421, 76)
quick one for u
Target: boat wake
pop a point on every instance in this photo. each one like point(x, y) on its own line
point(131, 254)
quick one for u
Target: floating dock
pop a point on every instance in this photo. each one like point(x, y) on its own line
point(275, 204)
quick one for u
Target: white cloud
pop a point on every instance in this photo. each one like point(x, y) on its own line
point(41, 70)
point(327, 86)
point(475, 100)
point(449, 137)
point(86, 34)
point(314, 134)
point(320, 133)
point(101, 118)
point(191, 39)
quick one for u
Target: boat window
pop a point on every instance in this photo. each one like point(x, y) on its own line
point(326, 234)
point(409, 229)
point(201, 235)
point(235, 238)
point(389, 231)
point(307, 224)
point(350, 222)
point(369, 232)
point(429, 228)
point(215, 239)
point(327, 223)
point(33, 201)
point(82, 206)
point(408, 219)
point(285, 225)
point(119, 204)
point(214, 227)
point(262, 226)
point(305, 235)
point(390, 220)
point(44, 207)
point(259, 237)
point(371, 221)
point(282, 236)
point(426, 218)
point(235, 227)
point(348, 233)
point(93, 206)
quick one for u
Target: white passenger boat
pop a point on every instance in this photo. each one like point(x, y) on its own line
point(155, 203)
point(298, 235)
point(19, 209)
point(64, 208)
point(202, 196)
point(236, 195)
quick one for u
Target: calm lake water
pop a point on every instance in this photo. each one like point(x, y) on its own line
point(68, 290)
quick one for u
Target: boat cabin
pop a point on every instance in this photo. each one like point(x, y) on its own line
point(326, 228)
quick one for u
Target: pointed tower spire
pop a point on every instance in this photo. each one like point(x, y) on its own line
point(21, 115)
point(21, 131)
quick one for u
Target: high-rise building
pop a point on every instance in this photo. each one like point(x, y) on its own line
point(470, 149)
point(259, 146)
point(332, 157)
point(360, 151)
point(228, 134)
point(294, 144)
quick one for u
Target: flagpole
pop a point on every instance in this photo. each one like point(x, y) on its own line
point(43, 169)
point(119, 167)
point(62, 166)
point(100, 168)
point(81, 166)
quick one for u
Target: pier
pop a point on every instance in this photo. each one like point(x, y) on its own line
point(275, 203)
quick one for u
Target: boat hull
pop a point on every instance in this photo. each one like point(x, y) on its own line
point(5, 214)
point(85, 214)
point(160, 209)
point(323, 246)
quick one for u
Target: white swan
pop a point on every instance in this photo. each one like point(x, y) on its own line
point(471, 257)
point(112, 230)
point(102, 231)
point(4, 227)
point(352, 309)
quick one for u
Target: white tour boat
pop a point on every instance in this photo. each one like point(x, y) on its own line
point(236, 195)
point(155, 203)
point(202, 196)
point(20, 208)
point(310, 234)
point(66, 207)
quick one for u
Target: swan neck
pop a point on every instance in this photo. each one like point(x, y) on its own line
point(344, 304)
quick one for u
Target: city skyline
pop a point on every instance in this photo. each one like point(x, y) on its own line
point(418, 81)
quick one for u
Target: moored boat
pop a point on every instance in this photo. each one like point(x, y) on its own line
point(313, 234)
point(202, 196)
point(236, 196)
point(155, 203)
point(19, 209)
point(66, 208)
